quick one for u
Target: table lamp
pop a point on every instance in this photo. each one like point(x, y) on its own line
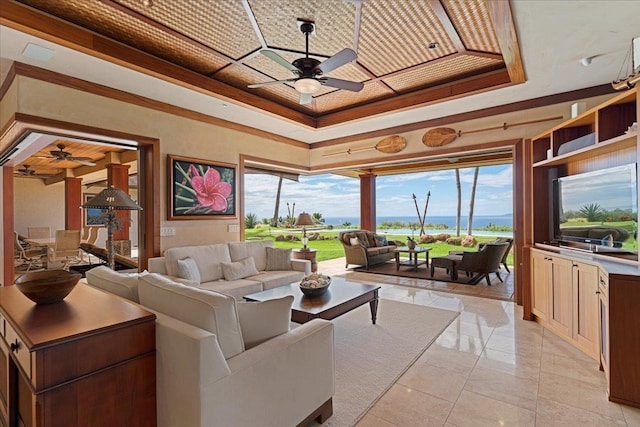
point(111, 199)
point(303, 220)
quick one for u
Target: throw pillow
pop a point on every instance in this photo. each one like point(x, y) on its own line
point(239, 270)
point(381, 241)
point(354, 241)
point(188, 269)
point(260, 321)
point(278, 259)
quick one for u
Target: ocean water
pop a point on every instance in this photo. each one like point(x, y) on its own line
point(450, 221)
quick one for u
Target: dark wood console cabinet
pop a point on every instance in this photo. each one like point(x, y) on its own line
point(86, 361)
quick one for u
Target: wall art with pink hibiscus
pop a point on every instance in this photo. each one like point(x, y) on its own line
point(201, 189)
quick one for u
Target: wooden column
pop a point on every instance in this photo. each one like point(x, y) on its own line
point(7, 225)
point(73, 201)
point(118, 176)
point(368, 202)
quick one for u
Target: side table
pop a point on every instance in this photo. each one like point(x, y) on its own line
point(308, 254)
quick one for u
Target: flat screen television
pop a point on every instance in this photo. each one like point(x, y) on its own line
point(598, 210)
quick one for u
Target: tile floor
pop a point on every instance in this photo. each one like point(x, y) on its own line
point(490, 367)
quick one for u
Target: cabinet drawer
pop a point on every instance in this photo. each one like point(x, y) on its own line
point(18, 349)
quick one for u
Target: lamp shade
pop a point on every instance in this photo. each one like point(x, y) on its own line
point(304, 219)
point(113, 198)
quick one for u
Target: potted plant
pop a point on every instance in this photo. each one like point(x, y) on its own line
point(411, 243)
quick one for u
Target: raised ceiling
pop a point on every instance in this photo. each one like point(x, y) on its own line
point(476, 48)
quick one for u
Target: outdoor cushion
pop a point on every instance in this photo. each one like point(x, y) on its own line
point(364, 239)
point(208, 310)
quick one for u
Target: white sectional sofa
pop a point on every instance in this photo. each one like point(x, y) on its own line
point(236, 269)
point(222, 362)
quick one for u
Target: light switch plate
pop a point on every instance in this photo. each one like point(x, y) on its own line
point(167, 231)
point(233, 228)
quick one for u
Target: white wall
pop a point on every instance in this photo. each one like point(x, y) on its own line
point(37, 205)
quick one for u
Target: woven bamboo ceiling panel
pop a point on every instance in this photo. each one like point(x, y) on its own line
point(402, 47)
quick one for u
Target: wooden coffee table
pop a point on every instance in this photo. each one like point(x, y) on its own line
point(413, 261)
point(341, 297)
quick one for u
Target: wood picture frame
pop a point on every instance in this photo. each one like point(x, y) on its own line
point(211, 195)
point(92, 217)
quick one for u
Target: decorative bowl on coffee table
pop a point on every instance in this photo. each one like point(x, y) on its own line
point(315, 284)
point(48, 286)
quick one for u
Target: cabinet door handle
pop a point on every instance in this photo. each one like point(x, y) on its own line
point(574, 264)
point(597, 292)
point(14, 346)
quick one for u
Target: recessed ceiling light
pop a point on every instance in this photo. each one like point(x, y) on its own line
point(39, 53)
point(433, 45)
point(224, 105)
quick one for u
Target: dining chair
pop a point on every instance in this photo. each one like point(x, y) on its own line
point(27, 256)
point(66, 248)
point(39, 232)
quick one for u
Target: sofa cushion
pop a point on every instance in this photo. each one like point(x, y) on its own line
point(274, 279)
point(242, 250)
point(208, 258)
point(188, 269)
point(239, 270)
point(208, 310)
point(234, 288)
point(121, 284)
point(278, 259)
point(261, 321)
point(354, 241)
point(364, 238)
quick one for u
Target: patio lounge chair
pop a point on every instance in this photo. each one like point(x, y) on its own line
point(483, 262)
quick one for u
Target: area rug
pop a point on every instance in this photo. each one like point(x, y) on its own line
point(370, 358)
point(442, 282)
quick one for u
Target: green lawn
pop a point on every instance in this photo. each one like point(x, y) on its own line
point(332, 248)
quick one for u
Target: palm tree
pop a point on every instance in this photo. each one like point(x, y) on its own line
point(274, 220)
point(472, 201)
point(593, 212)
point(317, 218)
point(459, 203)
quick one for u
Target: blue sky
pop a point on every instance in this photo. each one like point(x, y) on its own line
point(337, 196)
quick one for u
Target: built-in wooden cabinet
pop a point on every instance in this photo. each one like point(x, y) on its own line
point(591, 300)
point(565, 298)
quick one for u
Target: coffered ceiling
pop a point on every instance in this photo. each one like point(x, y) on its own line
point(409, 52)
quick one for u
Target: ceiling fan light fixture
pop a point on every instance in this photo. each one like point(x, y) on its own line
point(307, 85)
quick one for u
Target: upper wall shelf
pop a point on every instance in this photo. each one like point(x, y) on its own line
point(628, 140)
point(608, 124)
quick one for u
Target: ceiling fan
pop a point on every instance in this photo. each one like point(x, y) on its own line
point(310, 72)
point(27, 172)
point(60, 155)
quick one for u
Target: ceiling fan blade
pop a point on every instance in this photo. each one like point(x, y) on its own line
point(82, 160)
point(342, 84)
point(280, 60)
point(305, 98)
point(345, 56)
point(257, 85)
